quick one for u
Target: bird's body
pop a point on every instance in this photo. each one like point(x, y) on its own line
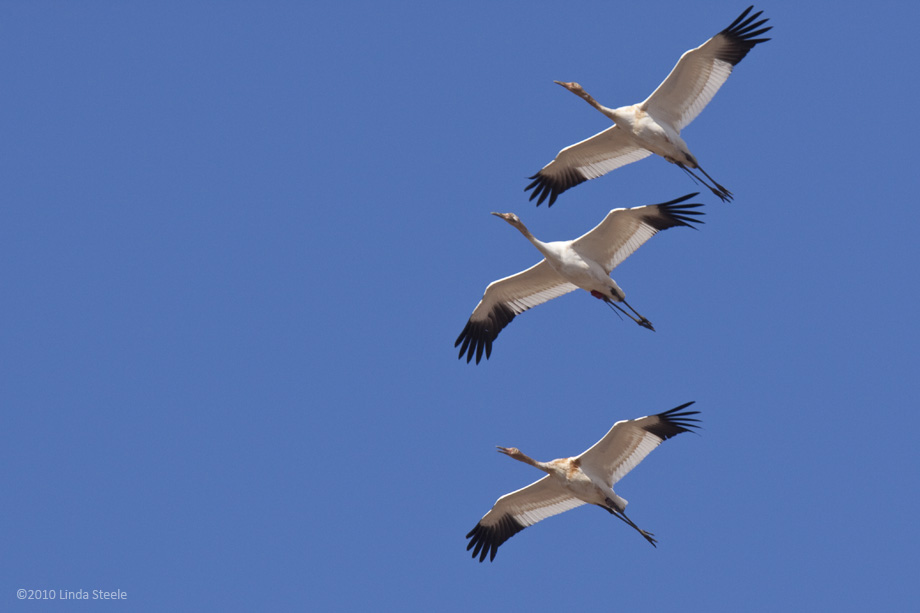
point(654, 125)
point(584, 479)
point(571, 262)
point(569, 475)
point(646, 131)
point(585, 263)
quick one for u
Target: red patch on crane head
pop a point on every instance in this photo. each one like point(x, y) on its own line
point(598, 295)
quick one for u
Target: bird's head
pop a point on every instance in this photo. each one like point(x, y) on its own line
point(511, 218)
point(572, 86)
point(509, 451)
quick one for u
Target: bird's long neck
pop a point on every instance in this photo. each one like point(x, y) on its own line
point(600, 107)
point(533, 239)
point(520, 457)
point(523, 229)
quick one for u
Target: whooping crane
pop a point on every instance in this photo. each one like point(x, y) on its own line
point(571, 482)
point(585, 262)
point(654, 126)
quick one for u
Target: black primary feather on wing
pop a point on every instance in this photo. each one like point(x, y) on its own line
point(676, 214)
point(487, 539)
point(673, 422)
point(741, 35)
point(547, 185)
point(477, 336)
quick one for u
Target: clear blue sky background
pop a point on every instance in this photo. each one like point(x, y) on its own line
point(237, 242)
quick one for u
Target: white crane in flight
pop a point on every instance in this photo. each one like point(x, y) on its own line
point(585, 262)
point(654, 125)
point(585, 479)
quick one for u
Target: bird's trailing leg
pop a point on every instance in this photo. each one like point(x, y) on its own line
point(642, 321)
point(723, 194)
point(621, 515)
point(639, 319)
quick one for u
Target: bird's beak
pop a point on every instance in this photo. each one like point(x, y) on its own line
point(572, 86)
point(503, 450)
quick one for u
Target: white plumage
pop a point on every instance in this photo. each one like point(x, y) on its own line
point(654, 125)
point(584, 479)
point(585, 262)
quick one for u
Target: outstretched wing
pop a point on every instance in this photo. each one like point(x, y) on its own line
point(515, 511)
point(700, 72)
point(503, 300)
point(589, 159)
point(628, 442)
point(625, 230)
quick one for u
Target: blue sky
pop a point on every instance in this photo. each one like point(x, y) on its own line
point(237, 243)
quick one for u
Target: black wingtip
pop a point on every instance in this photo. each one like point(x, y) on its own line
point(677, 212)
point(477, 336)
point(546, 186)
point(676, 421)
point(743, 33)
point(485, 540)
point(679, 200)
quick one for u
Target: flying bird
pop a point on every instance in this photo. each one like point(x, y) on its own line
point(654, 126)
point(585, 262)
point(585, 479)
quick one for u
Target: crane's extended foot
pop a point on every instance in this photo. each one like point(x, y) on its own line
point(723, 194)
point(639, 319)
point(718, 190)
point(648, 536)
